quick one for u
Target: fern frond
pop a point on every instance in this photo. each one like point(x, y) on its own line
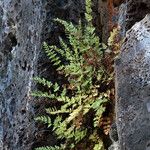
point(69, 26)
point(43, 81)
point(74, 114)
point(74, 35)
point(99, 146)
point(52, 53)
point(88, 13)
point(69, 133)
point(42, 94)
point(112, 37)
point(60, 68)
point(87, 108)
point(44, 119)
point(56, 87)
point(98, 116)
point(57, 122)
point(54, 49)
point(64, 46)
point(79, 135)
point(49, 148)
point(60, 129)
point(54, 111)
point(63, 98)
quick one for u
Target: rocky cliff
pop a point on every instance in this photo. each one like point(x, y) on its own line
point(25, 24)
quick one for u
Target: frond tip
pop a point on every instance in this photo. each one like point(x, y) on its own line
point(49, 148)
point(44, 119)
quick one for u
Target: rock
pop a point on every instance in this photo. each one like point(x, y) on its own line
point(20, 42)
point(113, 133)
point(134, 8)
point(25, 24)
point(133, 88)
point(114, 146)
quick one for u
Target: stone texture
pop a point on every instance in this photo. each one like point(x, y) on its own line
point(25, 24)
point(136, 10)
point(20, 41)
point(110, 14)
point(125, 14)
point(133, 88)
point(104, 19)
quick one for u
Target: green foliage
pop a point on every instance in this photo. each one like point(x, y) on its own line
point(115, 42)
point(49, 148)
point(82, 95)
point(88, 13)
point(44, 119)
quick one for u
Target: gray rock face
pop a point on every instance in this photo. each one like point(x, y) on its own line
point(20, 41)
point(24, 24)
point(136, 11)
point(133, 88)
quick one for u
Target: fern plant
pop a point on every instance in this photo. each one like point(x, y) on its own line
point(83, 95)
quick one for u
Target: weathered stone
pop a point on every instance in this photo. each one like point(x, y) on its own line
point(125, 14)
point(133, 88)
point(104, 19)
point(24, 24)
point(111, 14)
point(136, 10)
point(20, 41)
point(114, 146)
